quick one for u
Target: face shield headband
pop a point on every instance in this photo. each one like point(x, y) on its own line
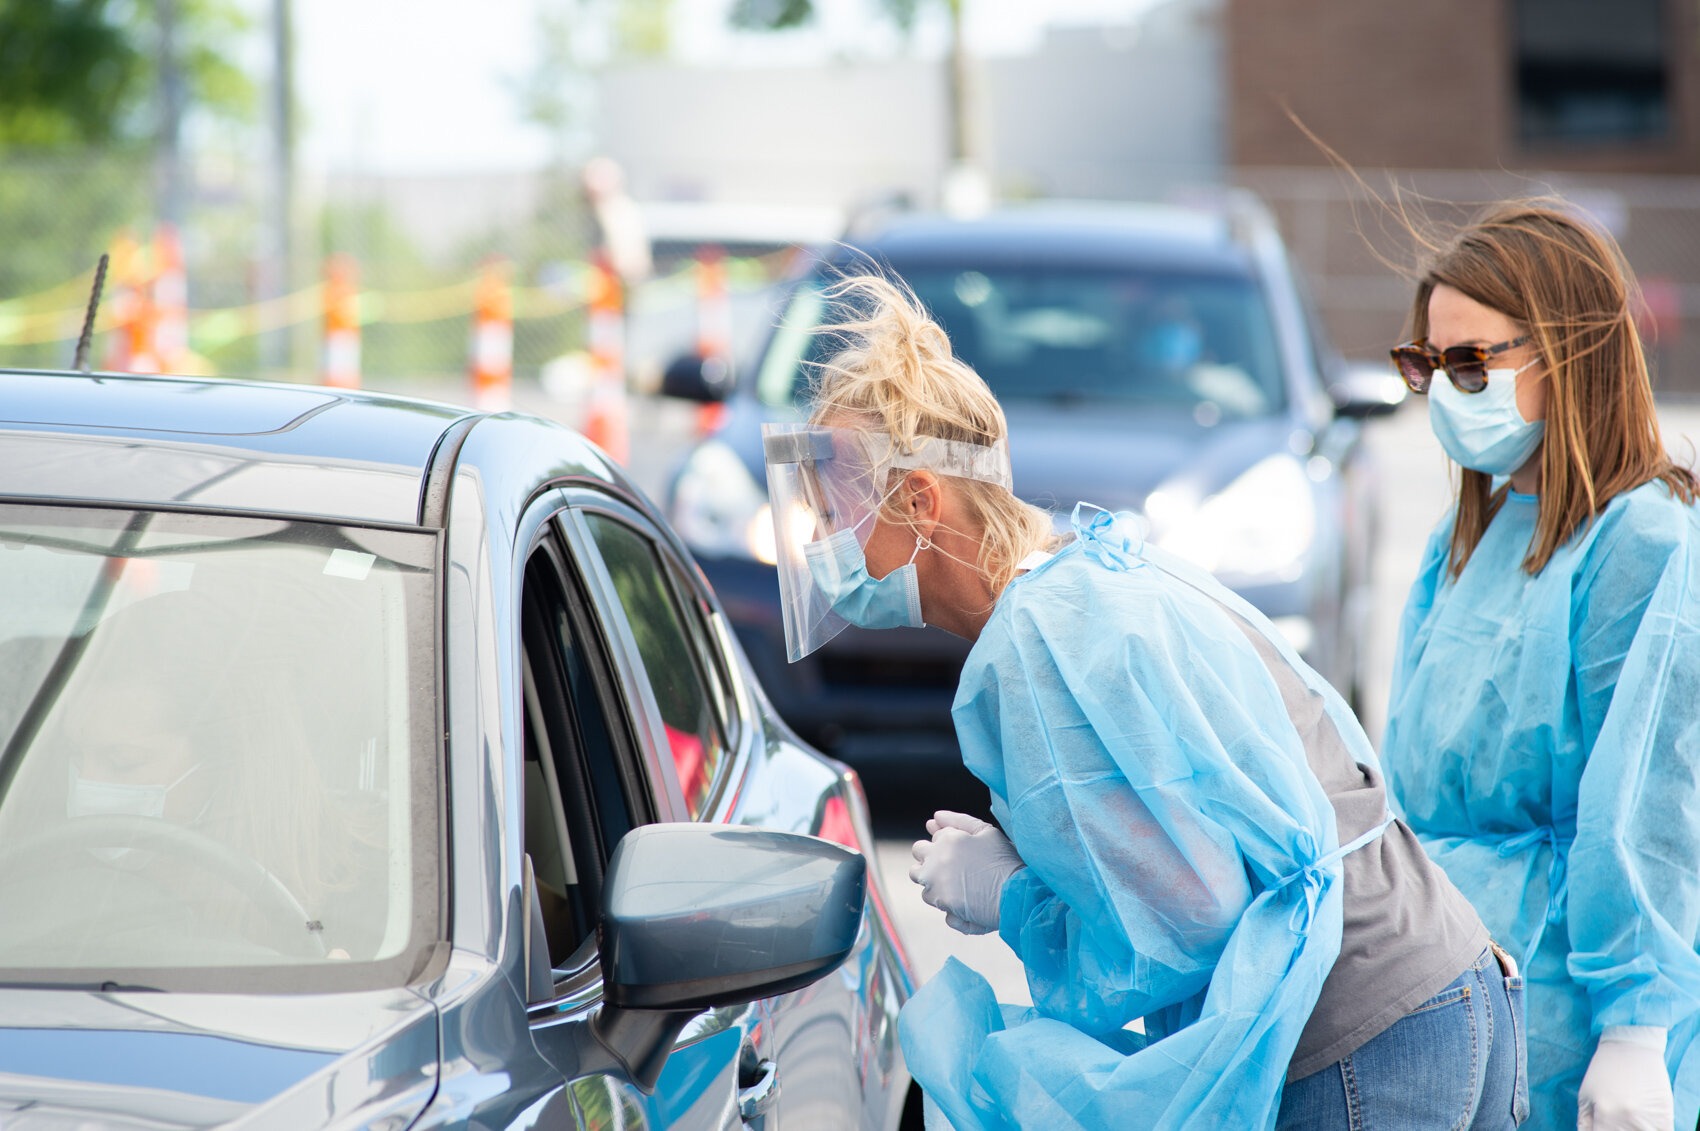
point(826, 482)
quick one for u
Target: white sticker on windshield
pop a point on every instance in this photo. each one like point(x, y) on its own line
point(351, 564)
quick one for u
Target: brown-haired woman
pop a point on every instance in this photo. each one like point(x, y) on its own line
point(1544, 727)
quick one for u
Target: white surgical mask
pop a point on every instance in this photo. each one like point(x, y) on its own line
point(1484, 431)
point(118, 799)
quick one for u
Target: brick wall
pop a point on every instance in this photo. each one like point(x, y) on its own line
point(1354, 248)
point(1417, 84)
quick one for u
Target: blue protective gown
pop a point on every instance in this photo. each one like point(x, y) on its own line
point(1543, 741)
point(1183, 864)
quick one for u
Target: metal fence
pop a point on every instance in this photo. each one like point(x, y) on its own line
point(419, 243)
point(1346, 240)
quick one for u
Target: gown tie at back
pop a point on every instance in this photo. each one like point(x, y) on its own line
point(1314, 876)
point(1558, 879)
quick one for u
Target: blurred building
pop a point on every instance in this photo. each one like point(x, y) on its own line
point(1094, 112)
point(1469, 101)
point(1578, 85)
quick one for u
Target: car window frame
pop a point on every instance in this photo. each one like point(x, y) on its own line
point(578, 979)
point(578, 989)
point(545, 675)
point(556, 529)
point(580, 606)
point(697, 609)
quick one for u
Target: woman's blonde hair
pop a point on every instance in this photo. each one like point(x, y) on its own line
point(893, 373)
point(1566, 282)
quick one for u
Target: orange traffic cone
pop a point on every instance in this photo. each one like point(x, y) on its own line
point(493, 339)
point(170, 302)
point(130, 347)
point(714, 325)
point(605, 413)
point(341, 363)
point(714, 304)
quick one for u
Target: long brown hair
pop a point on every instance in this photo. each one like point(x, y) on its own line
point(1566, 282)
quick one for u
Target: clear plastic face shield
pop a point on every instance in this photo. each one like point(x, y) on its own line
point(826, 486)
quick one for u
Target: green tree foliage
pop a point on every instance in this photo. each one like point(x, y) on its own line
point(76, 74)
point(68, 73)
point(78, 116)
point(643, 28)
point(554, 94)
point(772, 15)
point(210, 29)
point(782, 15)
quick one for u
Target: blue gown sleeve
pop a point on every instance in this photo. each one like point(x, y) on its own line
point(1129, 897)
point(1634, 867)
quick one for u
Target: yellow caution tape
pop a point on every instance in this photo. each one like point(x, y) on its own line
point(21, 324)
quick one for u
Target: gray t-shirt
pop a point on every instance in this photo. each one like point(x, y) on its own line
point(1408, 932)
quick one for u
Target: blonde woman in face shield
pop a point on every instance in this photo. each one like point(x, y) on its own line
point(1197, 833)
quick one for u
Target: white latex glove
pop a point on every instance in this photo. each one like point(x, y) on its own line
point(1626, 1087)
point(963, 869)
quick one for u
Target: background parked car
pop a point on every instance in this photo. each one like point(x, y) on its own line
point(1155, 358)
point(369, 762)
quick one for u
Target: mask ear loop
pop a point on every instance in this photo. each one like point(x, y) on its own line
point(922, 542)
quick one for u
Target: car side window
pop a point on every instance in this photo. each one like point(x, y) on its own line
point(688, 692)
point(699, 618)
point(582, 793)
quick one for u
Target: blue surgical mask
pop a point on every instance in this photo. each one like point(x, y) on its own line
point(1484, 431)
point(1174, 345)
point(840, 570)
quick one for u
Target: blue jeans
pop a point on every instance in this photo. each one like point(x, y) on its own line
point(1455, 1062)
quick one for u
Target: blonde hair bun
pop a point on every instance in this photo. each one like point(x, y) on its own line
point(894, 374)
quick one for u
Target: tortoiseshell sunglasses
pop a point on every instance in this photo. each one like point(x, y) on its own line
point(1466, 366)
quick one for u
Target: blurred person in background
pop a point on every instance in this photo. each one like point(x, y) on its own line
point(1543, 735)
point(1197, 833)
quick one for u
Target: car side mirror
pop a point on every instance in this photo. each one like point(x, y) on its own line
point(707, 380)
point(696, 916)
point(1364, 390)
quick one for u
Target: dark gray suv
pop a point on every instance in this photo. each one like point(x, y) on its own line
point(1155, 358)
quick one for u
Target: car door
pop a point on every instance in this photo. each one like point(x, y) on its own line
point(807, 1046)
point(594, 768)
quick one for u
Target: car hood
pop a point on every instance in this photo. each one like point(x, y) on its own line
point(176, 1061)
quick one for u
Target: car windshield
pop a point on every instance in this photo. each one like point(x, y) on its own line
point(1064, 335)
point(216, 739)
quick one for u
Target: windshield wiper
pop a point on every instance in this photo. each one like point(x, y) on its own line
point(70, 654)
point(88, 987)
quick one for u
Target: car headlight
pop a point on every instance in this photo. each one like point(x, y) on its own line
point(718, 507)
point(1259, 526)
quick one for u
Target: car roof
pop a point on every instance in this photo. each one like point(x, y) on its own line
point(217, 444)
point(1087, 234)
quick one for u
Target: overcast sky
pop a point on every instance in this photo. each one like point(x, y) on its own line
point(402, 86)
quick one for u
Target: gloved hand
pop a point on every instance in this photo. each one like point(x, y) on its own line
point(962, 870)
point(1626, 1087)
